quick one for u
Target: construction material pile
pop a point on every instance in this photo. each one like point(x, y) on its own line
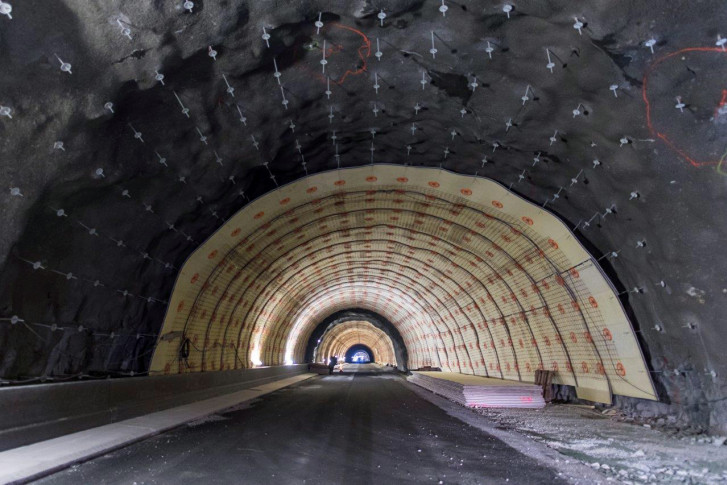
point(480, 392)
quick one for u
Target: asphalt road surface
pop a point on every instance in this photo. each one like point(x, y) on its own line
point(352, 428)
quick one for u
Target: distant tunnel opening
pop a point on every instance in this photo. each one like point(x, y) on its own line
point(359, 354)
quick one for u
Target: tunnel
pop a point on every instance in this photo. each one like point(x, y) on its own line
point(369, 242)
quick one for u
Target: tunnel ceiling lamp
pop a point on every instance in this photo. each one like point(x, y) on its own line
point(476, 279)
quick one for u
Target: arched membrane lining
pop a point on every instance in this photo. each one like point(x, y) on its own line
point(340, 338)
point(474, 278)
point(381, 334)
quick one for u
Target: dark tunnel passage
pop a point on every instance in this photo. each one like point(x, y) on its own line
point(505, 219)
point(339, 318)
point(359, 354)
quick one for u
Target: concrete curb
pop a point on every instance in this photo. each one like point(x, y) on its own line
point(30, 462)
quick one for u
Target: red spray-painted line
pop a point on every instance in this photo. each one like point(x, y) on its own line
point(660, 135)
point(721, 104)
point(365, 46)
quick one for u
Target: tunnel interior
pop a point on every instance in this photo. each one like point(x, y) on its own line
point(365, 326)
point(359, 354)
point(487, 188)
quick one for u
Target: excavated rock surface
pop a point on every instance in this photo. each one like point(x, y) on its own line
point(659, 166)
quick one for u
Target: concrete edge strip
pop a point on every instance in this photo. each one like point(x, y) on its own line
point(26, 463)
point(576, 472)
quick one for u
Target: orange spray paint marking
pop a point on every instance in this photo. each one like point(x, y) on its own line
point(663, 137)
point(364, 52)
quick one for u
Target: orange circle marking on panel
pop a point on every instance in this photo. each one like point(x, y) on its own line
point(194, 279)
point(527, 220)
point(434, 184)
point(212, 254)
point(574, 273)
point(180, 307)
point(497, 204)
point(467, 192)
point(310, 190)
point(553, 244)
point(403, 180)
point(285, 201)
point(339, 182)
point(236, 232)
point(607, 334)
point(258, 215)
point(593, 302)
point(371, 179)
point(620, 369)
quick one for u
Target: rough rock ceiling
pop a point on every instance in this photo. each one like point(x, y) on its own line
point(343, 337)
point(638, 86)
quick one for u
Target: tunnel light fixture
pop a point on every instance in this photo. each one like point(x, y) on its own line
point(328, 92)
point(59, 146)
point(378, 50)
point(319, 24)
point(285, 100)
point(202, 137)
point(381, 16)
point(443, 8)
point(554, 138)
point(650, 44)
point(188, 5)
point(162, 160)
point(680, 104)
point(266, 37)
point(185, 110)
point(212, 53)
point(6, 111)
point(550, 65)
point(433, 51)
point(614, 87)
point(243, 120)
point(65, 66)
point(324, 61)
point(578, 25)
point(15, 192)
point(277, 74)
point(230, 90)
point(720, 41)
point(507, 8)
point(137, 134)
point(125, 31)
point(6, 9)
point(489, 49)
point(109, 106)
point(525, 98)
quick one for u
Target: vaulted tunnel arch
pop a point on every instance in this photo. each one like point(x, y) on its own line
point(475, 279)
point(383, 332)
point(195, 191)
